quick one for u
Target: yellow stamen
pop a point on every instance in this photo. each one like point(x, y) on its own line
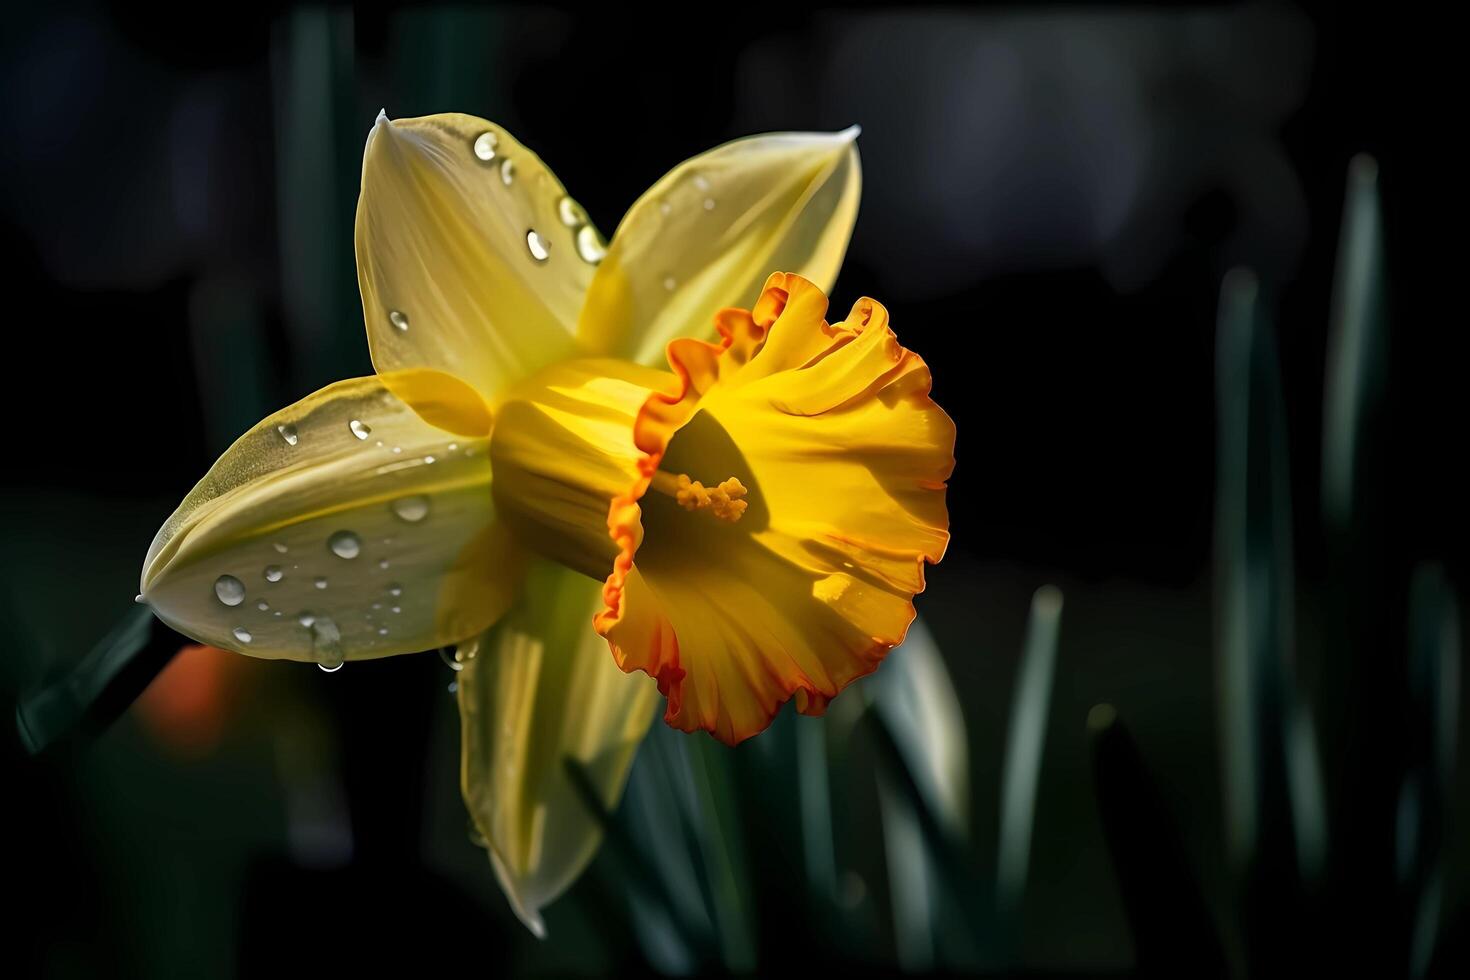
point(723, 501)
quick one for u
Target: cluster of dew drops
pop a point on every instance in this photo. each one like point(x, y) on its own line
point(589, 244)
point(346, 545)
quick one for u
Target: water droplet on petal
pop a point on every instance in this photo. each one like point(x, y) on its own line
point(329, 670)
point(321, 582)
point(326, 643)
point(288, 432)
point(428, 460)
point(243, 635)
point(701, 181)
point(345, 544)
point(665, 208)
point(397, 450)
point(383, 564)
point(507, 171)
point(452, 446)
point(395, 589)
point(280, 548)
point(382, 631)
point(399, 320)
point(570, 212)
point(230, 590)
point(263, 606)
point(306, 619)
point(450, 656)
point(589, 245)
point(485, 146)
point(540, 247)
point(398, 609)
point(669, 283)
point(709, 204)
point(411, 509)
point(139, 598)
point(360, 429)
point(273, 573)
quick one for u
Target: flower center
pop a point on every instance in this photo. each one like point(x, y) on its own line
point(723, 502)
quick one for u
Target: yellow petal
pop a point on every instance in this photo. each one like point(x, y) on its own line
point(537, 690)
point(467, 254)
point(829, 438)
point(341, 527)
point(707, 234)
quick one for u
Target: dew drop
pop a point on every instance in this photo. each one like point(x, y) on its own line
point(229, 590)
point(360, 429)
point(377, 605)
point(451, 658)
point(382, 631)
point(288, 432)
point(306, 619)
point(701, 181)
point(280, 548)
point(243, 635)
point(395, 589)
point(669, 283)
point(326, 643)
point(263, 606)
point(452, 446)
point(589, 245)
point(397, 450)
point(709, 204)
point(399, 320)
point(507, 171)
point(540, 247)
point(397, 609)
point(411, 509)
point(428, 460)
point(383, 564)
point(139, 599)
point(345, 544)
point(321, 582)
point(665, 208)
point(570, 212)
point(485, 145)
point(273, 573)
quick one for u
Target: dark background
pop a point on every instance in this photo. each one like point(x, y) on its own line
point(1052, 195)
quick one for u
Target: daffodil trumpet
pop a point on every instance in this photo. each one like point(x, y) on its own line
point(529, 479)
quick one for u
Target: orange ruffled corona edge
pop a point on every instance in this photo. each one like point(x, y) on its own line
point(845, 457)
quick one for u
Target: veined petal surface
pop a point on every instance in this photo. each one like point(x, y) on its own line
point(708, 233)
point(467, 254)
point(537, 690)
point(341, 527)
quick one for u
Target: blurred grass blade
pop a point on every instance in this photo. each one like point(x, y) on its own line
point(1253, 583)
point(817, 838)
point(653, 914)
point(1024, 744)
point(915, 698)
point(1173, 931)
point(97, 690)
point(1424, 802)
point(718, 832)
point(320, 130)
point(1357, 342)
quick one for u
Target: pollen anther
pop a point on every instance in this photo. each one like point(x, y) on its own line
point(723, 501)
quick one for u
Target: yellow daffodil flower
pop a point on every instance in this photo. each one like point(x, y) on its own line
point(747, 528)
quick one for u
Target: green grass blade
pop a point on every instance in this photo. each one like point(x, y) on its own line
point(1025, 741)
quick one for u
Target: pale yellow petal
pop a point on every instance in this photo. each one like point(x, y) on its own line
point(467, 253)
point(343, 526)
point(542, 688)
point(709, 232)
